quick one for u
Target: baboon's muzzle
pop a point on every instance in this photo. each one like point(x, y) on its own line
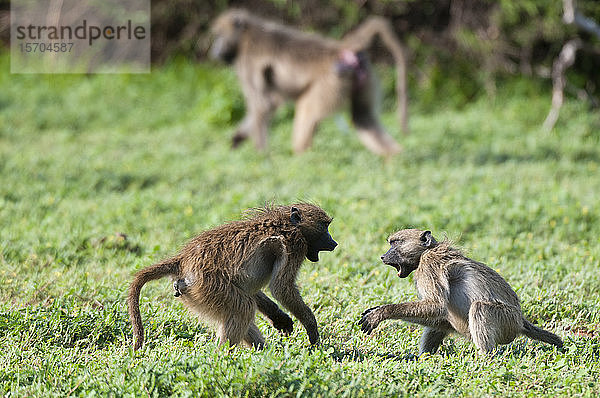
point(329, 244)
point(391, 258)
point(326, 243)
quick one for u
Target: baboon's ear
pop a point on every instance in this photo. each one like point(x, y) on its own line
point(426, 239)
point(295, 217)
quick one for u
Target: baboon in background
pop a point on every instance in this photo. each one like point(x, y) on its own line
point(457, 294)
point(220, 273)
point(276, 63)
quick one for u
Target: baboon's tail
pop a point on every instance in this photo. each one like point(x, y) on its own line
point(156, 271)
point(536, 333)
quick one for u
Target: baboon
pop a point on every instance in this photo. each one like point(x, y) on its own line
point(220, 273)
point(276, 63)
point(457, 294)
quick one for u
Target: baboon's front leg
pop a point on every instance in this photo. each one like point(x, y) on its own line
point(281, 321)
point(290, 298)
point(319, 101)
point(364, 116)
point(255, 124)
point(242, 132)
point(305, 122)
point(259, 110)
point(431, 339)
point(426, 313)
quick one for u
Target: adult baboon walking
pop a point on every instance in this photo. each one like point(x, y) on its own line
point(276, 63)
point(220, 273)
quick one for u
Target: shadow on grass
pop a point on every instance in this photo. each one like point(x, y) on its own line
point(532, 348)
point(357, 355)
point(521, 349)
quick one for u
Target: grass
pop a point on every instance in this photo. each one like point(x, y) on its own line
point(103, 175)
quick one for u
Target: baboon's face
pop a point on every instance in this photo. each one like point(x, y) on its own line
point(226, 31)
point(314, 226)
point(318, 239)
point(406, 249)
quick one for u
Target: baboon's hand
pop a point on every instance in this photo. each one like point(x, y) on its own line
point(369, 320)
point(283, 323)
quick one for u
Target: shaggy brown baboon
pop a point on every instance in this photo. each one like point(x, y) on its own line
point(220, 273)
point(276, 63)
point(457, 294)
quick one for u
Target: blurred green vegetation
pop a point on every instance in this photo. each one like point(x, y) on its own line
point(104, 174)
point(458, 49)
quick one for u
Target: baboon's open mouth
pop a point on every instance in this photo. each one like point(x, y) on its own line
point(403, 269)
point(313, 256)
point(397, 266)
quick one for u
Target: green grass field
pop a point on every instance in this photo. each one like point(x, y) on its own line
point(88, 160)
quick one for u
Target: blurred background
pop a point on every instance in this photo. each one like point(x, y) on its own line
point(457, 49)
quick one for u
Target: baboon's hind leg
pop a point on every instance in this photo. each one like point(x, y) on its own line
point(493, 323)
point(369, 129)
point(233, 330)
point(254, 337)
point(378, 141)
point(236, 317)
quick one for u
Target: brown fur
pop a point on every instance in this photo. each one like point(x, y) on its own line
point(276, 63)
point(457, 294)
point(219, 274)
